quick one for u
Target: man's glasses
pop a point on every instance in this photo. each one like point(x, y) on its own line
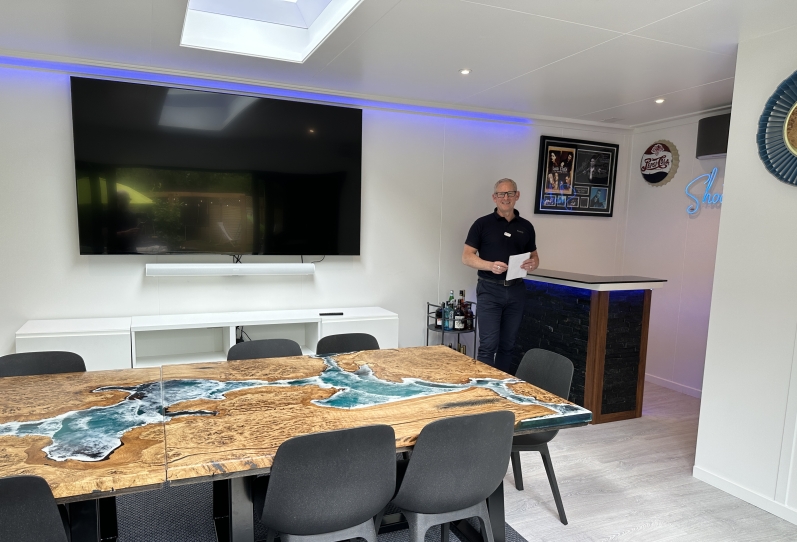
point(511, 194)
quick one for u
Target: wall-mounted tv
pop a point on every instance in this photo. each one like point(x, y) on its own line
point(164, 170)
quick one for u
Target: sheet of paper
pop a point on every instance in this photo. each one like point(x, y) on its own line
point(513, 267)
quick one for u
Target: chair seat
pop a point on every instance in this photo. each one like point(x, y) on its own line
point(533, 439)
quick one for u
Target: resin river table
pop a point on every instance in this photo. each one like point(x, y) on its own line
point(251, 407)
point(91, 435)
point(96, 435)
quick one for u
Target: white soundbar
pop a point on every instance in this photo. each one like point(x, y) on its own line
point(227, 269)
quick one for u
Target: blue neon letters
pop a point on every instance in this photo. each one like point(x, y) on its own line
point(708, 197)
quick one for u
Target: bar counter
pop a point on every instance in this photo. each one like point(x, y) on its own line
point(601, 324)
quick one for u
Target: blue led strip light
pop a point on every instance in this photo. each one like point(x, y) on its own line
point(249, 88)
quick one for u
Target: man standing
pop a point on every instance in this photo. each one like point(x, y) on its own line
point(500, 302)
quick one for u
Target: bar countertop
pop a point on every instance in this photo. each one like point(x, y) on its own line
point(595, 282)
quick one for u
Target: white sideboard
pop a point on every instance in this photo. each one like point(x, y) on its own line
point(148, 341)
point(104, 343)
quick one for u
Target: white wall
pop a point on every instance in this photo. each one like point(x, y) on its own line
point(746, 438)
point(425, 179)
point(662, 240)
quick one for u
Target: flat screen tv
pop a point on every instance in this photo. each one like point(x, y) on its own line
point(164, 170)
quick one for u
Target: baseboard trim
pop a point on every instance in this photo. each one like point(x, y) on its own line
point(675, 386)
point(756, 499)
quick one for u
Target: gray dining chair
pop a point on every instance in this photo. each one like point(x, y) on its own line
point(346, 342)
point(326, 487)
point(553, 373)
point(455, 465)
point(41, 363)
point(264, 348)
point(28, 512)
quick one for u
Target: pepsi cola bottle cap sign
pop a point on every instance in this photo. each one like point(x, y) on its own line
point(659, 162)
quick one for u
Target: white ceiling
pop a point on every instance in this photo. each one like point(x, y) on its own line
point(581, 59)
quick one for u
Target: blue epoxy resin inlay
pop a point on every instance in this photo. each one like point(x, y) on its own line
point(94, 433)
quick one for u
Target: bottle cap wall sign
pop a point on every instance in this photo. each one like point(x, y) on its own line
point(659, 162)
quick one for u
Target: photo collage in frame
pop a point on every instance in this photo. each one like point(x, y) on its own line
point(576, 177)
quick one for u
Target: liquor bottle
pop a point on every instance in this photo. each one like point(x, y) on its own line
point(445, 316)
point(468, 316)
point(438, 317)
point(450, 317)
point(459, 318)
point(451, 298)
point(462, 298)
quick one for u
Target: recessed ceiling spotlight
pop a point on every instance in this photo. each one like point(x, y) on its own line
point(312, 131)
point(660, 101)
point(465, 71)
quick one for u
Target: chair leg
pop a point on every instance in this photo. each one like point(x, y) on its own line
point(418, 524)
point(546, 461)
point(517, 470)
point(485, 524)
point(368, 533)
point(445, 529)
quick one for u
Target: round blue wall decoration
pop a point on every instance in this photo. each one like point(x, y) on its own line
point(777, 132)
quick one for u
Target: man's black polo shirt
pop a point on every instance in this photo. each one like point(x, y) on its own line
point(489, 236)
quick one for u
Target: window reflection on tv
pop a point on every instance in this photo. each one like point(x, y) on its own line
point(166, 171)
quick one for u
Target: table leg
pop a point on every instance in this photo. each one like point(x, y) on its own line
point(93, 520)
point(495, 506)
point(233, 510)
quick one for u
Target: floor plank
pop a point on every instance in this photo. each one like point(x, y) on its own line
point(632, 480)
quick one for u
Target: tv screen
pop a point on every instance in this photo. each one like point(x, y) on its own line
point(166, 171)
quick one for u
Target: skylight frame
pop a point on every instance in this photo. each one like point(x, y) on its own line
point(238, 35)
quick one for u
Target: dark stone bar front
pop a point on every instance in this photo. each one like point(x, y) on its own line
point(601, 325)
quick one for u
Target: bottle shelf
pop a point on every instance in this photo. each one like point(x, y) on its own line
point(431, 318)
point(431, 327)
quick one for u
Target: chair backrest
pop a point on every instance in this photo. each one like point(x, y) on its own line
point(41, 363)
point(325, 482)
point(346, 342)
point(547, 370)
point(457, 463)
point(28, 512)
point(264, 348)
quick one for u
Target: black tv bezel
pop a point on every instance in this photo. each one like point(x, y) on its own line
point(76, 162)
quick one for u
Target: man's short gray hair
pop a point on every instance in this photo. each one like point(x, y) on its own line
point(510, 181)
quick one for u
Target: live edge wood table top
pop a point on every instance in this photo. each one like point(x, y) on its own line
point(107, 432)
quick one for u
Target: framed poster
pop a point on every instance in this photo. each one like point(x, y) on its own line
point(575, 177)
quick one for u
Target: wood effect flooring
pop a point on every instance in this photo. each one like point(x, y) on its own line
point(632, 480)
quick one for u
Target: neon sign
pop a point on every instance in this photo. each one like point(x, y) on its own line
point(709, 198)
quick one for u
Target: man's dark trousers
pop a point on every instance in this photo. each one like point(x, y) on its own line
point(499, 310)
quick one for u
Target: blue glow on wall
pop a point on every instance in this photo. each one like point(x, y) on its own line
point(709, 198)
point(248, 88)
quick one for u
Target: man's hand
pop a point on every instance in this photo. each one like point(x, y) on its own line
point(532, 263)
point(497, 267)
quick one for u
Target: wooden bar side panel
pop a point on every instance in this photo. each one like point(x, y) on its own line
point(643, 352)
point(596, 353)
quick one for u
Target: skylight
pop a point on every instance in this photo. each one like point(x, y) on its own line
point(280, 29)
